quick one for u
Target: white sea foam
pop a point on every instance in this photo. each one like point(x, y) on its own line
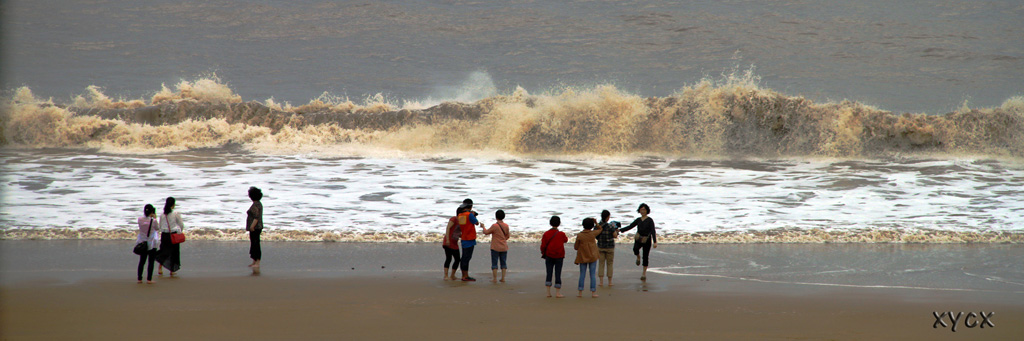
point(736, 201)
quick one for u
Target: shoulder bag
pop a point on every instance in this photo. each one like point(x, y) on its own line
point(143, 247)
point(176, 237)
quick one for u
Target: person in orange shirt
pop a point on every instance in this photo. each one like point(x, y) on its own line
point(467, 224)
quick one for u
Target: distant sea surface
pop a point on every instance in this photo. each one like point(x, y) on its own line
point(736, 121)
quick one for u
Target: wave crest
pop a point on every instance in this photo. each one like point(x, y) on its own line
point(728, 117)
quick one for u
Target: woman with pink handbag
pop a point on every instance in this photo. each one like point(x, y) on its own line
point(172, 229)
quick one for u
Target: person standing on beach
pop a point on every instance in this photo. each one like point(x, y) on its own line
point(499, 233)
point(170, 253)
point(606, 246)
point(254, 225)
point(149, 234)
point(450, 244)
point(646, 237)
point(467, 223)
point(586, 254)
point(552, 249)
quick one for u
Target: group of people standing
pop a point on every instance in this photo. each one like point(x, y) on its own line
point(161, 248)
point(460, 234)
point(156, 233)
point(594, 245)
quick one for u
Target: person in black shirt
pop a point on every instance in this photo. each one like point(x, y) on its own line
point(646, 237)
point(254, 225)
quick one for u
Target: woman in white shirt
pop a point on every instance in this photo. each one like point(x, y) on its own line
point(147, 227)
point(170, 253)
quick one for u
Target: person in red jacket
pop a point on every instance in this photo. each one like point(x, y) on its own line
point(450, 244)
point(552, 249)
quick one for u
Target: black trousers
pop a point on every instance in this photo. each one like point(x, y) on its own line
point(151, 257)
point(451, 257)
point(637, 246)
point(254, 245)
point(467, 254)
point(170, 253)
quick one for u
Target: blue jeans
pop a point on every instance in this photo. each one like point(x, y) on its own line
point(556, 265)
point(592, 267)
point(496, 256)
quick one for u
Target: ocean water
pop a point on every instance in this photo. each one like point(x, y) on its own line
point(737, 121)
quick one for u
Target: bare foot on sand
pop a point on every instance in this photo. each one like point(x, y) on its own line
point(593, 295)
point(559, 296)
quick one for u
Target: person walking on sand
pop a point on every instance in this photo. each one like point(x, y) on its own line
point(552, 249)
point(467, 223)
point(646, 237)
point(586, 254)
point(499, 233)
point(148, 233)
point(606, 247)
point(254, 225)
point(170, 253)
point(450, 244)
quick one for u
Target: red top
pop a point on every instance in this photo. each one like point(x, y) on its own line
point(452, 234)
point(552, 244)
point(467, 225)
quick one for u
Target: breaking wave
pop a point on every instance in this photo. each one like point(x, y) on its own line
point(732, 116)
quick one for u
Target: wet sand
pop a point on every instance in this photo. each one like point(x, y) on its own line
point(53, 296)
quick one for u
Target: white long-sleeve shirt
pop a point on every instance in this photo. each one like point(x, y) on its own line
point(144, 227)
point(171, 222)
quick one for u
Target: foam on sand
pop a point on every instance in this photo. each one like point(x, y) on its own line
point(735, 237)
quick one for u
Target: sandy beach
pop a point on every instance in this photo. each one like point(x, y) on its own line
point(385, 291)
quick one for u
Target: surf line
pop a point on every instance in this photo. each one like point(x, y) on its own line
point(665, 272)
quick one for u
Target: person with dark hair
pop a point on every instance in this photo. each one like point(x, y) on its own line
point(170, 253)
point(552, 249)
point(148, 233)
point(499, 233)
point(606, 246)
point(646, 237)
point(254, 225)
point(586, 254)
point(467, 224)
point(450, 243)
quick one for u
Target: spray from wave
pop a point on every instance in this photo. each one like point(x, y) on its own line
point(731, 116)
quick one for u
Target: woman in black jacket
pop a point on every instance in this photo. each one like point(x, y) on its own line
point(646, 237)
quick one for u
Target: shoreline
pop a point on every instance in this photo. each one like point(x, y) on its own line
point(780, 236)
